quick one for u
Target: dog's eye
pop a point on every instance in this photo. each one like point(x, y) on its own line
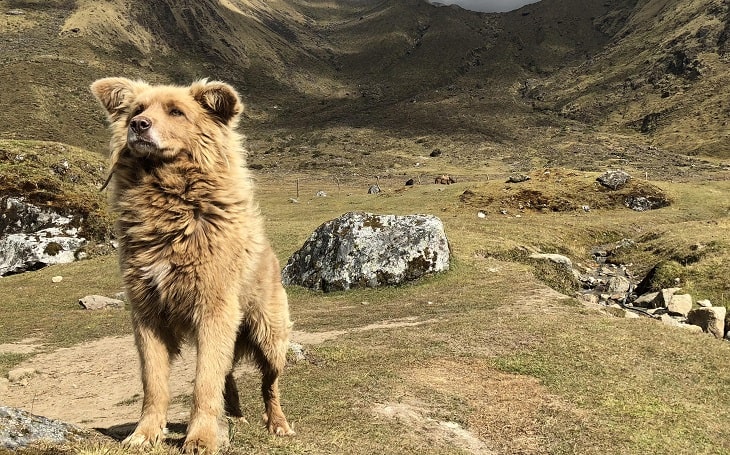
point(175, 112)
point(138, 110)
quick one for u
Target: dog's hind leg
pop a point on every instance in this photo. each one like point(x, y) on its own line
point(269, 346)
point(155, 351)
point(231, 399)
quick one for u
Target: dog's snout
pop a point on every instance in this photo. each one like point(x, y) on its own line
point(140, 124)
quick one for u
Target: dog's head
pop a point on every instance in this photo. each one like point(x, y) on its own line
point(161, 122)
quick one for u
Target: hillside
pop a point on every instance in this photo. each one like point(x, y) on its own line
point(404, 68)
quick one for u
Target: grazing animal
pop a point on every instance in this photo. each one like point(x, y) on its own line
point(444, 180)
point(195, 261)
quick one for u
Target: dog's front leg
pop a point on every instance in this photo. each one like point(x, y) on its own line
point(215, 342)
point(154, 354)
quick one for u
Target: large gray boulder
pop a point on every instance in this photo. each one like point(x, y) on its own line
point(32, 237)
point(365, 250)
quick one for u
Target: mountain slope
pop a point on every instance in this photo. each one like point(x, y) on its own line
point(405, 67)
point(665, 74)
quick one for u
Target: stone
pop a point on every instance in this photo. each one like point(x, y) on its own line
point(56, 279)
point(704, 303)
point(32, 237)
point(614, 179)
point(20, 428)
point(556, 258)
point(620, 312)
point(644, 203)
point(711, 320)
point(365, 250)
point(646, 300)
point(435, 153)
point(663, 298)
point(99, 302)
point(680, 304)
point(374, 189)
point(321, 194)
point(21, 373)
point(618, 285)
point(518, 178)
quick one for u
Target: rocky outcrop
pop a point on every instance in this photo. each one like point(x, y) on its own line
point(32, 237)
point(19, 429)
point(366, 250)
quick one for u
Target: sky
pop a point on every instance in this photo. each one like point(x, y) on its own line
point(489, 6)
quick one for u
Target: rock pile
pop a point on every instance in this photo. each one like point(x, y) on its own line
point(612, 287)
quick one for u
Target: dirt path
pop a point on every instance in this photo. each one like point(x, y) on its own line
point(97, 384)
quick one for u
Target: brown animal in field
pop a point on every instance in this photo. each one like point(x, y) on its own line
point(195, 261)
point(444, 180)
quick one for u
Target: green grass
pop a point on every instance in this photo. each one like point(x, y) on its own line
point(493, 349)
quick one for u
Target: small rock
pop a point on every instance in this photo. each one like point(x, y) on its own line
point(704, 303)
point(321, 194)
point(410, 182)
point(57, 279)
point(374, 189)
point(481, 214)
point(669, 320)
point(664, 297)
point(294, 200)
point(556, 258)
point(99, 302)
point(614, 179)
point(691, 328)
point(15, 12)
point(618, 285)
point(435, 153)
point(680, 304)
point(19, 374)
point(518, 178)
point(297, 352)
point(646, 300)
point(712, 319)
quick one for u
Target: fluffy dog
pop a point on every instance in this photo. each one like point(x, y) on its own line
point(194, 258)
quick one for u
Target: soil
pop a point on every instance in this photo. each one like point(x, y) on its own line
point(97, 384)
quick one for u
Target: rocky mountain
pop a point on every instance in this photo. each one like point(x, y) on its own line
point(654, 70)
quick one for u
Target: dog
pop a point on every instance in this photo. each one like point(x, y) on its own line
point(194, 258)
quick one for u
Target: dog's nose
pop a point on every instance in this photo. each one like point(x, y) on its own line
point(140, 124)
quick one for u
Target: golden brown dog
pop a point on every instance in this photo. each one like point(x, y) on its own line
point(195, 261)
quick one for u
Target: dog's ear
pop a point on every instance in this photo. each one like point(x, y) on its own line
point(219, 99)
point(115, 94)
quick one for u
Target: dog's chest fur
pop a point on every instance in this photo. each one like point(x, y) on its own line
point(186, 238)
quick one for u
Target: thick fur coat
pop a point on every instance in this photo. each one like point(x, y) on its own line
point(195, 260)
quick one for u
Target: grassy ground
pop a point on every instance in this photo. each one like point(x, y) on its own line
point(482, 359)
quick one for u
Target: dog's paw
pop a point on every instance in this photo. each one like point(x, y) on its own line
point(143, 438)
point(206, 436)
point(278, 426)
point(197, 446)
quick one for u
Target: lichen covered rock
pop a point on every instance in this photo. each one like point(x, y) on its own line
point(365, 250)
